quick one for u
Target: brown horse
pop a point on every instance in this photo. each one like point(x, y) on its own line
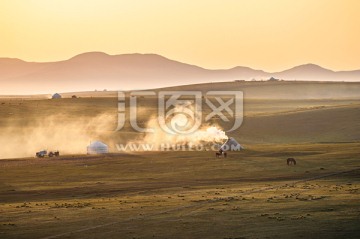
point(290, 161)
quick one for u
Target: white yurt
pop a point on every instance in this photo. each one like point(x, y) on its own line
point(231, 145)
point(56, 96)
point(97, 147)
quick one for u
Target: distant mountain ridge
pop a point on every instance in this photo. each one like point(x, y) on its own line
point(98, 70)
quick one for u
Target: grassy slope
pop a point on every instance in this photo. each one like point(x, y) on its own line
point(266, 121)
point(332, 124)
point(282, 89)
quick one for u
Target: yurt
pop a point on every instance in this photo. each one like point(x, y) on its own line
point(97, 147)
point(231, 145)
point(56, 96)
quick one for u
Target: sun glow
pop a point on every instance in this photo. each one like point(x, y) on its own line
point(211, 34)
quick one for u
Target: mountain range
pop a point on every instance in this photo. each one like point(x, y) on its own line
point(97, 70)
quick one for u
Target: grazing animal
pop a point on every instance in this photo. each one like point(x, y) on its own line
point(291, 161)
point(221, 153)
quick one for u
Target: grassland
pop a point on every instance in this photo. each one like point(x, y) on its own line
point(250, 194)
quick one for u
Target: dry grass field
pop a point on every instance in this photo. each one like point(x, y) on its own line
point(251, 194)
point(183, 194)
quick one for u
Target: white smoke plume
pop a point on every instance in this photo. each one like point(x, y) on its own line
point(205, 134)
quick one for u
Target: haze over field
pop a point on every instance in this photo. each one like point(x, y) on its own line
point(274, 113)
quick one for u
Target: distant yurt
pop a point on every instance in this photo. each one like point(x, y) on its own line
point(56, 96)
point(97, 147)
point(231, 145)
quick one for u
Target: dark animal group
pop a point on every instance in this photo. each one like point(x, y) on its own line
point(291, 161)
point(221, 153)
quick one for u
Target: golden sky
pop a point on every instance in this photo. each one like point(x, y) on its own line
point(263, 34)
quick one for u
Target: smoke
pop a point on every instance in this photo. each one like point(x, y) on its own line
point(54, 132)
point(180, 123)
point(71, 134)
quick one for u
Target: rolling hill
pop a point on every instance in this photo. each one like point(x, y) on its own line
point(97, 70)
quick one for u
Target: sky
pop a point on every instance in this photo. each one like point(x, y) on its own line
point(216, 34)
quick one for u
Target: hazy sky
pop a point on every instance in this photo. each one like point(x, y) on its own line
point(270, 35)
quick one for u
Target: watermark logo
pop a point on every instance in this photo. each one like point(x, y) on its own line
point(135, 147)
point(183, 112)
point(229, 105)
point(180, 111)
